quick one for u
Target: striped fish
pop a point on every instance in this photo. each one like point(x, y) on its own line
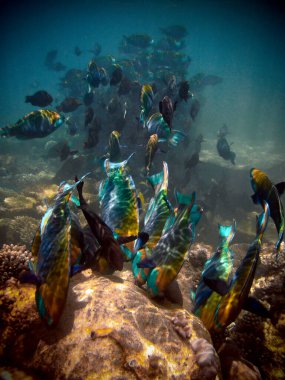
point(146, 100)
point(36, 124)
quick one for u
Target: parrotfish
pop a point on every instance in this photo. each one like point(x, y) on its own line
point(119, 202)
point(265, 190)
point(146, 100)
point(168, 255)
point(53, 266)
point(159, 208)
point(36, 124)
point(151, 148)
point(220, 303)
point(157, 125)
point(218, 269)
point(114, 146)
point(109, 256)
point(166, 108)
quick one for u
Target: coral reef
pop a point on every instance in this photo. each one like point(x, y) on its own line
point(110, 329)
point(13, 259)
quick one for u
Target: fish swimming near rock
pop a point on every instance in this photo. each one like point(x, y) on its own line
point(36, 124)
point(151, 149)
point(54, 262)
point(146, 100)
point(40, 98)
point(224, 150)
point(159, 208)
point(69, 104)
point(217, 269)
point(265, 190)
point(119, 203)
point(169, 253)
point(167, 108)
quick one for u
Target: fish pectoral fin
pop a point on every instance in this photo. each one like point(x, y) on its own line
point(146, 263)
point(173, 293)
point(254, 306)
point(254, 198)
point(217, 285)
point(280, 187)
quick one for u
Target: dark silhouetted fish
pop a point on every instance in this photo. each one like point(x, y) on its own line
point(39, 98)
point(139, 40)
point(88, 98)
point(125, 86)
point(192, 161)
point(89, 114)
point(175, 31)
point(195, 108)
point(183, 91)
point(93, 134)
point(39, 123)
point(224, 150)
point(117, 75)
point(166, 108)
point(61, 150)
point(68, 105)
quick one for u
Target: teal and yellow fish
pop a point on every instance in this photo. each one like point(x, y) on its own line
point(151, 148)
point(36, 124)
point(168, 255)
point(157, 125)
point(265, 190)
point(52, 247)
point(219, 303)
point(218, 269)
point(119, 203)
point(146, 100)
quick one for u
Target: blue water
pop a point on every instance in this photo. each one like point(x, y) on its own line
point(243, 42)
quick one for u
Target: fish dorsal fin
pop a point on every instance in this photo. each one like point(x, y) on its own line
point(280, 187)
point(110, 166)
point(227, 233)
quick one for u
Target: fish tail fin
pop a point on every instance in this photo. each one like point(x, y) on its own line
point(160, 180)
point(227, 233)
point(27, 99)
point(185, 200)
point(176, 138)
point(6, 131)
point(262, 220)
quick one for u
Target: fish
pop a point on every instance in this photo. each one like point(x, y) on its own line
point(36, 124)
point(142, 41)
point(61, 150)
point(156, 125)
point(89, 114)
point(146, 100)
point(175, 31)
point(88, 98)
point(166, 108)
point(69, 104)
point(224, 150)
point(117, 75)
point(104, 78)
point(169, 254)
point(195, 108)
point(183, 91)
point(40, 98)
point(217, 269)
point(50, 57)
point(114, 146)
point(93, 76)
point(109, 250)
point(52, 268)
point(159, 208)
point(125, 86)
point(265, 190)
point(192, 161)
point(72, 127)
point(77, 51)
point(237, 296)
point(93, 134)
point(151, 149)
point(119, 204)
